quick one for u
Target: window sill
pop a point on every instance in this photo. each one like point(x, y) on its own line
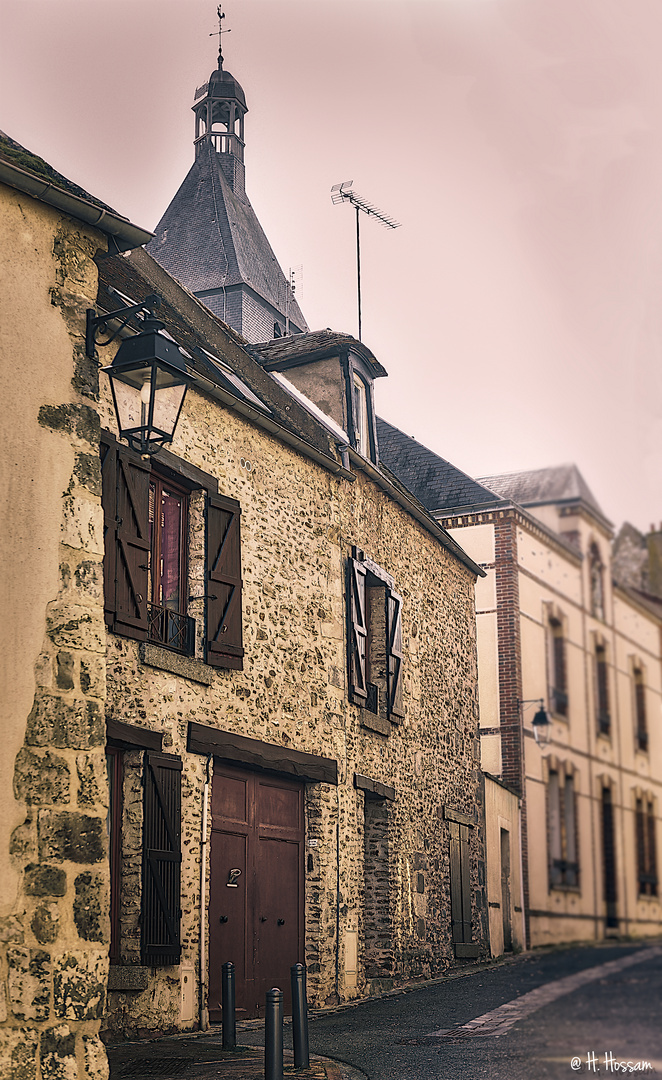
point(185, 666)
point(373, 722)
point(575, 889)
point(647, 899)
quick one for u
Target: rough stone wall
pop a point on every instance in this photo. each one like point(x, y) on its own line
point(298, 525)
point(54, 910)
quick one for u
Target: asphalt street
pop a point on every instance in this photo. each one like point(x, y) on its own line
point(591, 1024)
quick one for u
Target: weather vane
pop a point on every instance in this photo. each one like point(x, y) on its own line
point(219, 33)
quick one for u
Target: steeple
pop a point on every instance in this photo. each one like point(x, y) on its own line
point(220, 107)
point(209, 238)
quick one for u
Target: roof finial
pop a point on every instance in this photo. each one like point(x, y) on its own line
point(219, 35)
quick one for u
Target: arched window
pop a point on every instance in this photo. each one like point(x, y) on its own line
point(596, 571)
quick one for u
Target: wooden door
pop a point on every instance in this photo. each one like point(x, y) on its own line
point(505, 891)
point(256, 915)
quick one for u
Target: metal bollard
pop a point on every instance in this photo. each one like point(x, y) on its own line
point(273, 1035)
point(299, 1017)
point(228, 1003)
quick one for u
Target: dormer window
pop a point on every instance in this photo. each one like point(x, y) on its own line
point(361, 432)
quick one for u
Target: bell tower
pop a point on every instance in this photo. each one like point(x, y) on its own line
point(209, 237)
point(220, 107)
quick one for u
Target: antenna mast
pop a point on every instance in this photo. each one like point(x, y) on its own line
point(343, 193)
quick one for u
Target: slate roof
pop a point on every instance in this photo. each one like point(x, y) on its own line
point(288, 351)
point(560, 483)
point(436, 483)
point(137, 277)
point(210, 238)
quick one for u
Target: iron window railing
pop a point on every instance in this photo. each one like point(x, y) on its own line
point(170, 629)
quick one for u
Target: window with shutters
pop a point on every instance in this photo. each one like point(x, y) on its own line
point(562, 831)
point(646, 847)
point(558, 690)
point(375, 658)
point(162, 856)
point(146, 587)
point(641, 723)
point(602, 690)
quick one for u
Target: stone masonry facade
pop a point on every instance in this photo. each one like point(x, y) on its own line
point(54, 925)
point(299, 524)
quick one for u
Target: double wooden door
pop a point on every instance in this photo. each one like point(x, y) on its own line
point(256, 886)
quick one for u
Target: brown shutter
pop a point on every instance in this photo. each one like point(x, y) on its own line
point(224, 630)
point(394, 641)
point(357, 631)
point(162, 856)
point(456, 882)
point(460, 875)
point(133, 543)
point(465, 867)
point(108, 452)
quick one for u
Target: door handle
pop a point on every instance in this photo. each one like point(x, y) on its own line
point(223, 918)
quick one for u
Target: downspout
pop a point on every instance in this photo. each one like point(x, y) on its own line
point(204, 1011)
point(526, 944)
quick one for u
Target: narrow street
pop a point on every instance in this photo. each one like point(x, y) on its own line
point(588, 1011)
point(616, 1013)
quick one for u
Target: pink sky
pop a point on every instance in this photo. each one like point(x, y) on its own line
point(519, 142)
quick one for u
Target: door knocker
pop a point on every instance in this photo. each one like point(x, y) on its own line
point(231, 883)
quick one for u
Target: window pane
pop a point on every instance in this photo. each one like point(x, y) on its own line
point(171, 528)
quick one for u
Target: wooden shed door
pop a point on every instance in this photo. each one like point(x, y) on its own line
point(255, 916)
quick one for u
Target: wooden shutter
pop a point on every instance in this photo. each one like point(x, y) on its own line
point(357, 631)
point(224, 630)
point(394, 643)
point(460, 875)
point(162, 856)
point(133, 544)
point(108, 452)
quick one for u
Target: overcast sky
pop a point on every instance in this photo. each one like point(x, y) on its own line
point(518, 310)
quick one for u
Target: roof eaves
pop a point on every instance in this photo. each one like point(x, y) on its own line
point(126, 235)
point(529, 520)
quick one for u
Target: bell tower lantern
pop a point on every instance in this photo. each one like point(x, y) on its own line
point(220, 107)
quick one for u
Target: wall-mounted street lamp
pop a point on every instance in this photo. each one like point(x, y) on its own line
point(541, 723)
point(148, 378)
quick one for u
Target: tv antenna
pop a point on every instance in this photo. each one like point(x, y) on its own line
point(343, 193)
point(219, 34)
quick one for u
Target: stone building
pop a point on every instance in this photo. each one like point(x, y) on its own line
point(555, 627)
point(271, 638)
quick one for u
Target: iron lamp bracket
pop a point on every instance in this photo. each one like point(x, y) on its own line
point(98, 324)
